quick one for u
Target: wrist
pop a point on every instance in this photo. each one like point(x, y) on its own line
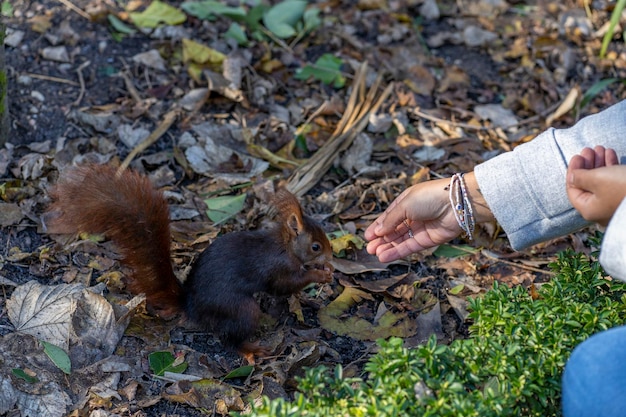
point(482, 212)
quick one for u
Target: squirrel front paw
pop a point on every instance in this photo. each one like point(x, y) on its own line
point(323, 275)
point(328, 271)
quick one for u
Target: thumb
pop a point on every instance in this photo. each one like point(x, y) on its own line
point(581, 178)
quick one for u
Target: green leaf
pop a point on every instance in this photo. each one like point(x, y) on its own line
point(493, 385)
point(120, 26)
point(327, 69)
point(311, 19)
point(596, 89)
point(223, 208)
point(449, 251)
point(161, 362)
point(281, 19)
point(253, 19)
point(20, 373)
point(301, 143)
point(456, 289)
point(6, 9)
point(207, 10)
point(241, 372)
point(236, 32)
point(58, 356)
point(157, 13)
point(615, 16)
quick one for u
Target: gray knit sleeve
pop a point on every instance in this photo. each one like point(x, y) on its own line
point(613, 251)
point(525, 188)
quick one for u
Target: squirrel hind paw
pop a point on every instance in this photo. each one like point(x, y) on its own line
point(250, 350)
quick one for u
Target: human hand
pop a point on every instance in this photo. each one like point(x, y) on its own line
point(424, 208)
point(596, 183)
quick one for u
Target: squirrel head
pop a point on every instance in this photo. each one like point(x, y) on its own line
point(305, 238)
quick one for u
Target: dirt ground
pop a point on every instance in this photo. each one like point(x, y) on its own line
point(65, 110)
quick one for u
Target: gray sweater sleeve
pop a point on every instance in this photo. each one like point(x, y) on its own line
point(613, 251)
point(525, 188)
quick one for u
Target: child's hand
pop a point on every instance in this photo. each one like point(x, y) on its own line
point(596, 183)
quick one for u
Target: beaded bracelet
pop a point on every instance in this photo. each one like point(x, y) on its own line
point(461, 205)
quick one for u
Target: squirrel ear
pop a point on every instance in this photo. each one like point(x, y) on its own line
point(295, 224)
point(289, 209)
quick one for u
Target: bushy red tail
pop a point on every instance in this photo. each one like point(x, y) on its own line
point(129, 211)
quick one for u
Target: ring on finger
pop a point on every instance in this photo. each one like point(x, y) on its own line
point(409, 228)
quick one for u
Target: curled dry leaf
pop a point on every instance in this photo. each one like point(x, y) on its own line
point(429, 323)
point(335, 317)
point(365, 263)
point(459, 305)
point(206, 157)
point(380, 285)
point(206, 394)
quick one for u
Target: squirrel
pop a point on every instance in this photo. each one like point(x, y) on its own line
point(218, 292)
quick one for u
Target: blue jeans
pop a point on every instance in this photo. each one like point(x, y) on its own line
point(594, 381)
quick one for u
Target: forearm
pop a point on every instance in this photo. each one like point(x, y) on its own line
point(525, 189)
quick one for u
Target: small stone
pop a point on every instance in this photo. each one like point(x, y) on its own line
point(56, 53)
point(430, 10)
point(24, 80)
point(475, 36)
point(13, 38)
point(37, 96)
point(151, 59)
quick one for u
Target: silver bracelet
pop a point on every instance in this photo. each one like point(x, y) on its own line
point(461, 205)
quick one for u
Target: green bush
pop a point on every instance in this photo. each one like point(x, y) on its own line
point(510, 365)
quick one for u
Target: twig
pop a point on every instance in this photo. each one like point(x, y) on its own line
point(167, 122)
point(467, 126)
point(490, 255)
point(81, 79)
point(75, 8)
point(53, 79)
point(130, 87)
point(433, 173)
point(274, 38)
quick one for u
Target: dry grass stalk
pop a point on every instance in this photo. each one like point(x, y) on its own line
point(361, 104)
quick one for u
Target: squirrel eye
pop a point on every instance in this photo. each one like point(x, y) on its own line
point(315, 247)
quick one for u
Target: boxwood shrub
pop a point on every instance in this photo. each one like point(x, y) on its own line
point(510, 365)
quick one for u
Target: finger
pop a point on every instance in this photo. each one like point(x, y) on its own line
point(402, 247)
point(589, 157)
point(611, 157)
point(577, 162)
point(599, 157)
point(389, 221)
point(381, 225)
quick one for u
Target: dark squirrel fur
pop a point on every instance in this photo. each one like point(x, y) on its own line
point(218, 293)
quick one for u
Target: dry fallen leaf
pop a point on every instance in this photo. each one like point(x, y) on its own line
point(336, 318)
point(208, 394)
point(44, 311)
